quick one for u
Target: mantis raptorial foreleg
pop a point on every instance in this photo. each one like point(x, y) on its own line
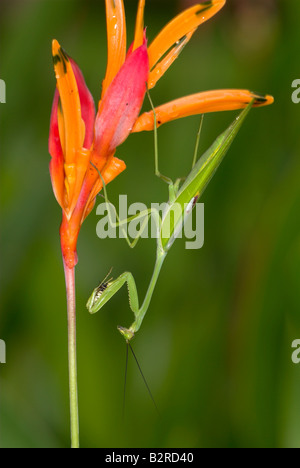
point(105, 291)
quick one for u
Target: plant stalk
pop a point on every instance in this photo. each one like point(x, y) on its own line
point(71, 309)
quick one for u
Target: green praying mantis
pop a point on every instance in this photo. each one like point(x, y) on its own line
point(168, 225)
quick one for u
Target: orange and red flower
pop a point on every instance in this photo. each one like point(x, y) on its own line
point(80, 135)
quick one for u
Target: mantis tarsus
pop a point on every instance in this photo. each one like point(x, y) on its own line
point(185, 197)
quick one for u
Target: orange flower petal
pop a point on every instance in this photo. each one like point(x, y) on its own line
point(139, 25)
point(116, 40)
point(109, 173)
point(71, 125)
point(160, 69)
point(112, 170)
point(74, 129)
point(201, 103)
point(73, 115)
point(180, 26)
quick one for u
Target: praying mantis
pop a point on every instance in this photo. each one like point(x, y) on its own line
point(184, 197)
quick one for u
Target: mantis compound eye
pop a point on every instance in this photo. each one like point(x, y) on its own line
point(101, 288)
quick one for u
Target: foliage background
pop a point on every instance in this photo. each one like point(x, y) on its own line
point(216, 343)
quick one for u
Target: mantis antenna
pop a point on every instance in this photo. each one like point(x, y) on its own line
point(129, 346)
point(198, 141)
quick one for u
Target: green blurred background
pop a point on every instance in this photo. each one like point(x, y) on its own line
point(215, 345)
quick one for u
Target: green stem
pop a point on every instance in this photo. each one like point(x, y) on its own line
point(71, 308)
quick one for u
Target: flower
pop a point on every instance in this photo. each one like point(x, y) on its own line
point(81, 138)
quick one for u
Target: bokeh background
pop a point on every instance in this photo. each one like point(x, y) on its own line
point(215, 345)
